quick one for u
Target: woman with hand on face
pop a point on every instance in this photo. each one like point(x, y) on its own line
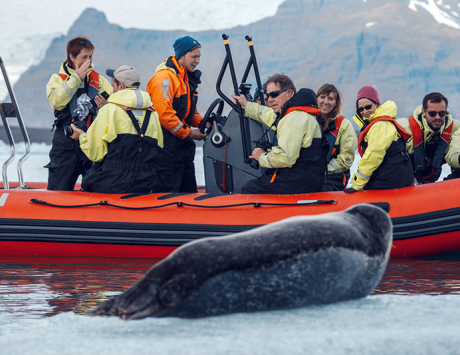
point(384, 162)
point(340, 136)
point(70, 93)
point(296, 164)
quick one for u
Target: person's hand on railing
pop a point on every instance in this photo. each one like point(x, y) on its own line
point(241, 100)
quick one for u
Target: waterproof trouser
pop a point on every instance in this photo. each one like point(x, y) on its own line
point(67, 162)
point(303, 178)
point(311, 182)
point(176, 164)
point(336, 182)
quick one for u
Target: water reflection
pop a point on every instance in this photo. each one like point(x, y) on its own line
point(414, 276)
point(37, 287)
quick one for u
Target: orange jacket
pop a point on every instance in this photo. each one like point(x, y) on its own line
point(174, 95)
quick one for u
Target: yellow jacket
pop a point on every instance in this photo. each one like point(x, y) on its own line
point(348, 142)
point(379, 138)
point(453, 153)
point(296, 130)
point(113, 120)
point(60, 92)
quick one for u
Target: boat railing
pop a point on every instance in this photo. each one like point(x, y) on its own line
point(10, 110)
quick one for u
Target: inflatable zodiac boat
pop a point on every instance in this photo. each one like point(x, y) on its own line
point(426, 219)
point(34, 221)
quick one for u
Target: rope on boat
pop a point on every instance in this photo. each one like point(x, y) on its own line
point(184, 204)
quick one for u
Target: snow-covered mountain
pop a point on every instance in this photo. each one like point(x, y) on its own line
point(27, 27)
point(444, 12)
point(405, 48)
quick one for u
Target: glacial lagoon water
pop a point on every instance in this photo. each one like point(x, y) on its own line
point(414, 309)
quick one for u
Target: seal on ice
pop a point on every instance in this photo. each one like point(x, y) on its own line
point(295, 262)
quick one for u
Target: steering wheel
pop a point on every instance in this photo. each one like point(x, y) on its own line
point(210, 116)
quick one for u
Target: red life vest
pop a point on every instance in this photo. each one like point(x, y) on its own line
point(402, 132)
point(331, 137)
point(93, 91)
point(93, 79)
point(419, 147)
point(338, 121)
point(307, 109)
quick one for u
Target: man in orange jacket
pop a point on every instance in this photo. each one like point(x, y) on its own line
point(174, 94)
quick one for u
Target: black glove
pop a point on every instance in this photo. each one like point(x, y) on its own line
point(202, 126)
point(350, 190)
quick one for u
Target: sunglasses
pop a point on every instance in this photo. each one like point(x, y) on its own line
point(434, 113)
point(84, 41)
point(275, 94)
point(368, 107)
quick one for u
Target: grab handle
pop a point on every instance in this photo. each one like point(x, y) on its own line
point(12, 110)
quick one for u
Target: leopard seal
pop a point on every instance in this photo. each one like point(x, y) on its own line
point(299, 261)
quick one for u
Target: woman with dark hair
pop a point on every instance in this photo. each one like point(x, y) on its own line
point(340, 136)
point(74, 94)
point(384, 162)
point(296, 164)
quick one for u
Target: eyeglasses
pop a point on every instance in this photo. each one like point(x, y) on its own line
point(84, 41)
point(434, 113)
point(275, 94)
point(368, 107)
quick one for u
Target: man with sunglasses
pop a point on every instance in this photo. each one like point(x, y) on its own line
point(297, 163)
point(431, 127)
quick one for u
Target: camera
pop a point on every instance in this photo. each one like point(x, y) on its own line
point(68, 131)
point(104, 95)
point(245, 89)
point(263, 144)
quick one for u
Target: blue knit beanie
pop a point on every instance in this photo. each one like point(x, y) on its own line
point(183, 44)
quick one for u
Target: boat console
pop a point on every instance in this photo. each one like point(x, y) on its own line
point(232, 138)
